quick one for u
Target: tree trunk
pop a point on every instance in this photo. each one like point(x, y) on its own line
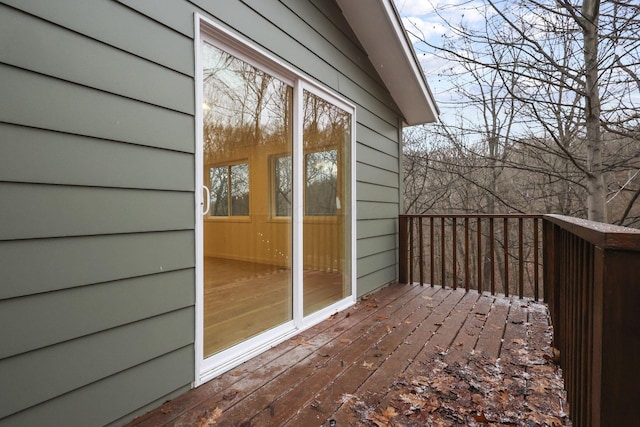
point(596, 197)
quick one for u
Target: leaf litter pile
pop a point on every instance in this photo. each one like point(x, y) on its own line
point(522, 388)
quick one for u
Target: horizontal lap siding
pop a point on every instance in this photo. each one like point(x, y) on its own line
point(97, 135)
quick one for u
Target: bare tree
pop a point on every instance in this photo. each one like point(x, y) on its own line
point(546, 83)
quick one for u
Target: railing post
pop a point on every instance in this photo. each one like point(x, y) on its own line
point(403, 250)
point(592, 286)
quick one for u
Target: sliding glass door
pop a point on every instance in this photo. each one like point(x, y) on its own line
point(274, 235)
point(247, 250)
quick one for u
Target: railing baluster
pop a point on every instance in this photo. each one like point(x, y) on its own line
point(421, 252)
point(443, 254)
point(521, 257)
point(411, 260)
point(443, 261)
point(431, 251)
point(479, 255)
point(506, 256)
point(455, 251)
point(536, 273)
point(492, 253)
point(466, 254)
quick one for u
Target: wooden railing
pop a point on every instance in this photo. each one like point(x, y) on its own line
point(590, 280)
point(493, 253)
point(592, 286)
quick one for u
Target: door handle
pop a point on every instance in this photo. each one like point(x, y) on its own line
point(206, 203)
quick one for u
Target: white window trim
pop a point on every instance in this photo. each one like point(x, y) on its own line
point(209, 368)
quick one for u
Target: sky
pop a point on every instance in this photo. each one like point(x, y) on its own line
point(420, 17)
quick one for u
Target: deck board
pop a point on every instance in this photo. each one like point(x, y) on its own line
point(366, 354)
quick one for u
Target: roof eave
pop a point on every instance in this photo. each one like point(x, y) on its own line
point(379, 29)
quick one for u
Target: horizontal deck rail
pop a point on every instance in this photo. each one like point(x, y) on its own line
point(592, 287)
point(493, 253)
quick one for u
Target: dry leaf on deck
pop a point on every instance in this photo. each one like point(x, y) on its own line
point(209, 418)
point(383, 419)
point(480, 418)
point(368, 366)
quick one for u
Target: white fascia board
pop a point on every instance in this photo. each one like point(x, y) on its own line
point(379, 29)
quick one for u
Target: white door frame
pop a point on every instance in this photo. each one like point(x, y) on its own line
point(208, 368)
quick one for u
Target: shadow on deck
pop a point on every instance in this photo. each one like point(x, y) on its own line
point(407, 355)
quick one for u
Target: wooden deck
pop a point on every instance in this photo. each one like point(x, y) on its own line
point(407, 355)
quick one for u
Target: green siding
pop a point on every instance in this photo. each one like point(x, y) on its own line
point(377, 193)
point(372, 280)
point(82, 361)
point(38, 156)
point(97, 136)
point(374, 175)
point(97, 404)
point(378, 158)
point(57, 211)
point(377, 227)
point(34, 100)
point(53, 317)
point(55, 51)
point(378, 261)
point(44, 265)
point(116, 25)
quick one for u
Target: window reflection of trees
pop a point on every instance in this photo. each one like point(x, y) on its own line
point(283, 185)
point(326, 131)
point(243, 106)
point(229, 180)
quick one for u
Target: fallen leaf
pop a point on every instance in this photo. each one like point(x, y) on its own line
point(371, 305)
point(443, 385)
point(209, 418)
point(415, 402)
point(231, 395)
point(345, 341)
point(368, 366)
point(480, 418)
point(236, 373)
point(381, 317)
point(538, 388)
point(383, 419)
point(346, 397)
point(420, 381)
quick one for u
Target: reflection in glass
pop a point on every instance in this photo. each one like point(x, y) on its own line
point(219, 178)
point(247, 258)
point(321, 170)
point(240, 189)
point(326, 226)
point(283, 185)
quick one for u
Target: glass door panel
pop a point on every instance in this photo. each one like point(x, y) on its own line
point(247, 237)
point(326, 223)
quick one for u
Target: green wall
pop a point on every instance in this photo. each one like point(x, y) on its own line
point(97, 141)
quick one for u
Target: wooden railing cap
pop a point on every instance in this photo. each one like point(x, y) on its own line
point(605, 236)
